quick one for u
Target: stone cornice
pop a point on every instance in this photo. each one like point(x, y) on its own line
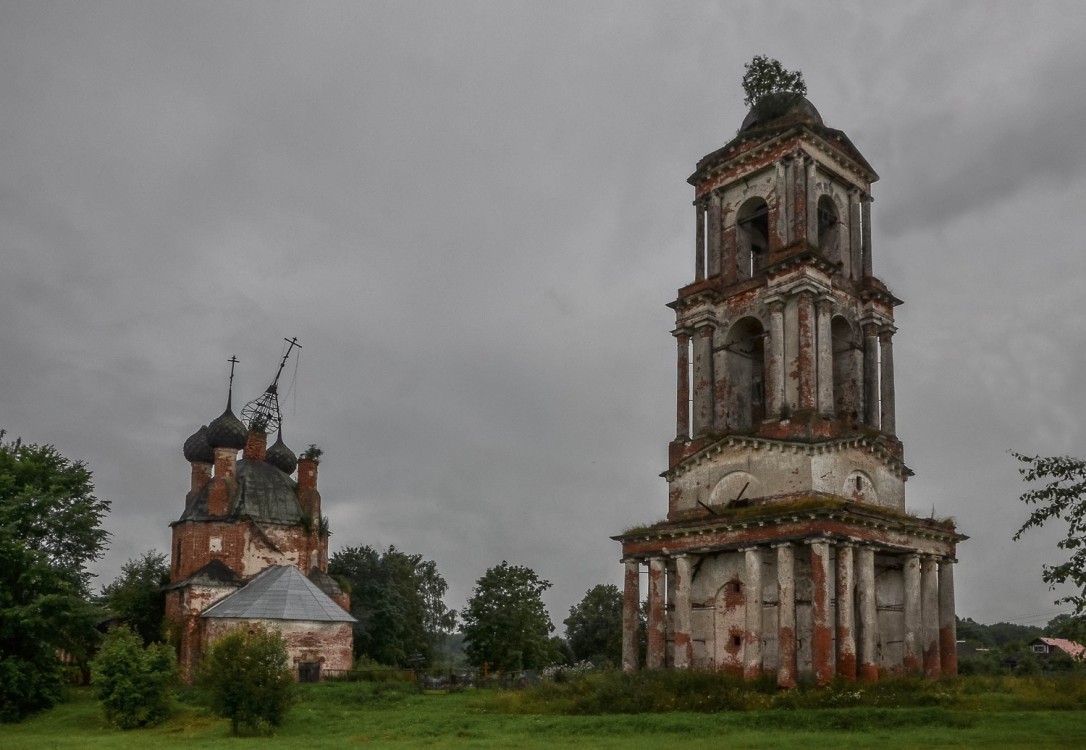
point(863, 442)
point(862, 518)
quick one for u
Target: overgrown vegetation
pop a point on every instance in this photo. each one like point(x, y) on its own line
point(665, 691)
point(137, 595)
point(1061, 497)
point(50, 529)
point(397, 599)
point(134, 683)
point(770, 89)
point(248, 680)
point(990, 713)
point(506, 625)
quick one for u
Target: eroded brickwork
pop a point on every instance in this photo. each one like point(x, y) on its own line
point(786, 478)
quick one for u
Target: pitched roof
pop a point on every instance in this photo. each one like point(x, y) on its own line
point(1070, 648)
point(279, 593)
point(215, 573)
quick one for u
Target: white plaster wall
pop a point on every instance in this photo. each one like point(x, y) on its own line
point(773, 471)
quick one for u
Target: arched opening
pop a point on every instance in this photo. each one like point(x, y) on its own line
point(847, 372)
point(829, 229)
point(744, 377)
point(752, 237)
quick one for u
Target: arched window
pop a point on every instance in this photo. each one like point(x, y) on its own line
point(829, 229)
point(847, 372)
point(745, 374)
point(752, 237)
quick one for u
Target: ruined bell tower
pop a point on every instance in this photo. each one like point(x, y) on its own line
point(787, 547)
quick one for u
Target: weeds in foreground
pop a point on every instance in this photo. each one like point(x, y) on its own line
point(710, 692)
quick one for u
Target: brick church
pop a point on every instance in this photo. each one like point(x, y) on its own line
point(251, 546)
point(787, 548)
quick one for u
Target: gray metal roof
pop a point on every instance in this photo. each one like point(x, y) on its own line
point(279, 593)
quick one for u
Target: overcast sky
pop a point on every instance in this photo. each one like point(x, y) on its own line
point(472, 215)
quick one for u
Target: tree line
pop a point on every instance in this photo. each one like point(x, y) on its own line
point(51, 530)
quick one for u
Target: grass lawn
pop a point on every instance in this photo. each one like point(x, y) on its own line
point(348, 715)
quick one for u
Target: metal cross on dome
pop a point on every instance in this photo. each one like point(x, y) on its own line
point(262, 414)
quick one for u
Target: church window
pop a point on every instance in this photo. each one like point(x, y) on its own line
point(752, 236)
point(829, 229)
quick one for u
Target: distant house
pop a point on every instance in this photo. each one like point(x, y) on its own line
point(1046, 647)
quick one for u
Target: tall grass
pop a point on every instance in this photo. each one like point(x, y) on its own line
point(969, 713)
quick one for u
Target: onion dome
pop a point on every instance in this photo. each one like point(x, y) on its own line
point(227, 431)
point(280, 456)
point(197, 449)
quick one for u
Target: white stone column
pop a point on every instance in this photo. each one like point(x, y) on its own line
point(886, 380)
point(805, 357)
point(775, 369)
point(699, 242)
point(865, 208)
point(825, 357)
point(812, 203)
point(682, 385)
point(869, 616)
point(703, 380)
point(631, 604)
point(683, 652)
point(845, 655)
point(948, 626)
point(871, 375)
point(786, 615)
point(752, 601)
point(929, 612)
point(657, 635)
point(855, 248)
point(911, 659)
point(821, 628)
point(716, 239)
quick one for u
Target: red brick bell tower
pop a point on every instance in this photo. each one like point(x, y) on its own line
point(787, 547)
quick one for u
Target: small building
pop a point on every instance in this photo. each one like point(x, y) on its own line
point(1046, 647)
point(787, 548)
point(251, 546)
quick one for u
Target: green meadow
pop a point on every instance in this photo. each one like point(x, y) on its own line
point(968, 713)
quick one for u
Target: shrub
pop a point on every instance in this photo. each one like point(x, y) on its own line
point(248, 681)
point(134, 683)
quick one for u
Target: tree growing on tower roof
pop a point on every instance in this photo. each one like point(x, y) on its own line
point(770, 89)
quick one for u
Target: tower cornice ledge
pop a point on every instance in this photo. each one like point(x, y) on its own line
point(790, 520)
point(872, 445)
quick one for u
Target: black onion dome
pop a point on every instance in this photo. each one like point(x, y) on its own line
point(197, 449)
point(280, 456)
point(227, 431)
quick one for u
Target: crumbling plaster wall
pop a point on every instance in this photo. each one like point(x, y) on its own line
point(787, 470)
point(328, 643)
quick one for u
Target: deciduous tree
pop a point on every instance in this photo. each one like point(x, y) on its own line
point(50, 529)
point(248, 679)
point(770, 89)
point(134, 682)
point(1059, 496)
point(594, 626)
point(506, 624)
point(137, 595)
point(397, 600)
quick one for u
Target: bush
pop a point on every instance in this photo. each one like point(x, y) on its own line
point(134, 684)
point(248, 681)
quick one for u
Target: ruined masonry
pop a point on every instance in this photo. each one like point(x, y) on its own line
point(251, 549)
point(787, 548)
